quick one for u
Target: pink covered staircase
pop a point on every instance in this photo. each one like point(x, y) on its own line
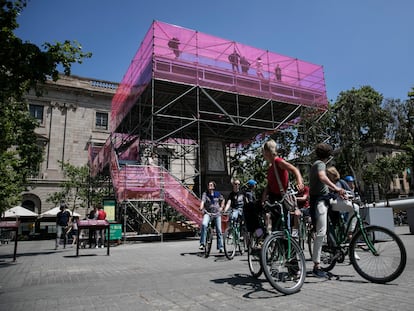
point(133, 182)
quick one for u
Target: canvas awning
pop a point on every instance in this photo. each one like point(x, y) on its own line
point(19, 211)
point(53, 212)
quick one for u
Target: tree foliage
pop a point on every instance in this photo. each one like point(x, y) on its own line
point(356, 120)
point(383, 170)
point(80, 189)
point(24, 66)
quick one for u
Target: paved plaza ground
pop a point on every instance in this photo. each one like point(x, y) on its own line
point(173, 275)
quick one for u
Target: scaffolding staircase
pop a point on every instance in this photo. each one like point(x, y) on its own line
point(134, 182)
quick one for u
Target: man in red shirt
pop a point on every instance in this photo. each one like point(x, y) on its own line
point(100, 233)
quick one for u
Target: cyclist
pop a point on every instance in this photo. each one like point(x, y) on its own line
point(319, 202)
point(272, 191)
point(302, 198)
point(235, 201)
point(350, 180)
point(342, 205)
point(252, 210)
point(211, 202)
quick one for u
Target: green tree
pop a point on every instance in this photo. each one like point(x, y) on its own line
point(24, 66)
point(80, 189)
point(383, 170)
point(359, 121)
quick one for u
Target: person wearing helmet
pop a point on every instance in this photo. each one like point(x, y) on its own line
point(250, 195)
point(350, 181)
point(250, 210)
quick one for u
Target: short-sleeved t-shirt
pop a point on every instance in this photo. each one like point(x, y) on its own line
point(317, 187)
point(101, 214)
point(237, 199)
point(62, 218)
point(212, 201)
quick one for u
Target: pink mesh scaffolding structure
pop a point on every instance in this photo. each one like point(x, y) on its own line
point(185, 87)
point(173, 53)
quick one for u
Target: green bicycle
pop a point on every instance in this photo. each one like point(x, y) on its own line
point(376, 253)
point(282, 258)
point(235, 238)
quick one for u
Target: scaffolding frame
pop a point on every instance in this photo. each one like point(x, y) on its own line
point(184, 88)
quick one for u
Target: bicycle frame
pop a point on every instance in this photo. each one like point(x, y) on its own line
point(339, 240)
point(280, 223)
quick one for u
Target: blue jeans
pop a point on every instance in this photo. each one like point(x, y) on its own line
point(236, 213)
point(206, 220)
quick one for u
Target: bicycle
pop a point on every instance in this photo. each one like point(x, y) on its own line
point(209, 233)
point(376, 253)
point(282, 258)
point(304, 227)
point(235, 238)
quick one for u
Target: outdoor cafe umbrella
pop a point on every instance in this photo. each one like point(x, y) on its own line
point(19, 211)
point(53, 212)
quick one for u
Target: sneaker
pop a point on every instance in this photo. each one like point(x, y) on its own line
point(295, 233)
point(221, 250)
point(356, 256)
point(201, 247)
point(102, 246)
point(319, 273)
point(96, 246)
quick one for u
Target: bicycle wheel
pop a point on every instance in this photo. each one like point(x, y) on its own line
point(377, 254)
point(243, 241)
point(310, 238)
point(329, 255)
point(209, 242)
point(285, 270)
point(230, 243)
point(253, 256)
point(302, 232)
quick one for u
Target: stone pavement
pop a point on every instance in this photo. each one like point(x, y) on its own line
point(173, 276)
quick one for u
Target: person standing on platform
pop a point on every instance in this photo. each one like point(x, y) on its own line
point(244, 64)
point(234, 61)
point(174, 44)
point(259, 68)
point(278, 73)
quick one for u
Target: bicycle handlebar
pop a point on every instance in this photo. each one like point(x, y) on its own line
point(212, 214)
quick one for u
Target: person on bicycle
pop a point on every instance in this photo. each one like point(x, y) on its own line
point(302, 197)
point(319, 202)
point(350, 181)
point(251, 211)
point(212, 203)
point(235, 201)
point(343, 205)
point(272, 192)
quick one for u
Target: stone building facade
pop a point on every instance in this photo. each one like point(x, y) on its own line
point(72, 113)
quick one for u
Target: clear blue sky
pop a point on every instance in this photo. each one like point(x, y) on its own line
point(359, 42)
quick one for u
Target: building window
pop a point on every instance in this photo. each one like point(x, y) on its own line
point(101, 122)
point(36, 111)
